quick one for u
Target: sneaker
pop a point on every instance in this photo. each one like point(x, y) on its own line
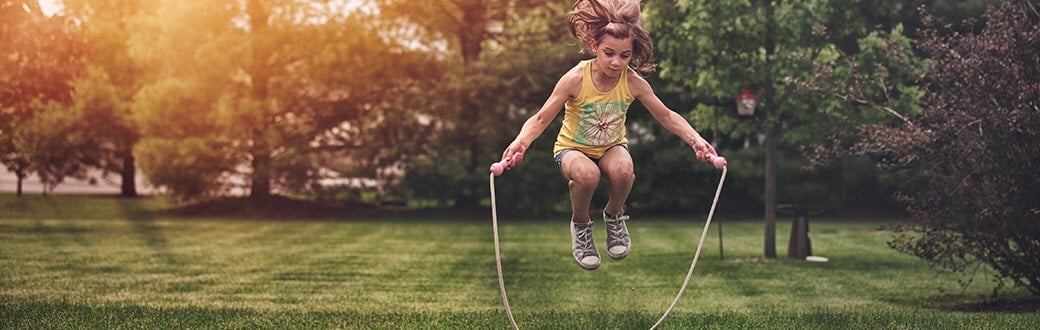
point(618, 241)
point(585, 253)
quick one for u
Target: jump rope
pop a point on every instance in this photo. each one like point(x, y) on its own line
point(500, 167)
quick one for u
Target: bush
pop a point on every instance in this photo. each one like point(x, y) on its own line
point(975, 151)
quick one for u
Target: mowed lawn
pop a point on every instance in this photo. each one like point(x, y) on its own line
point(102, 262)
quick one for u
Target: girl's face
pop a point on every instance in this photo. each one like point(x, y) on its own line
point(612, 55)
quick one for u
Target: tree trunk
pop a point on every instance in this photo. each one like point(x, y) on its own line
point(129, 174)
point(770, 192)
point(21, 178)
point(260, 188)
point(470, 39)
point(469, 198)
point(771, 115)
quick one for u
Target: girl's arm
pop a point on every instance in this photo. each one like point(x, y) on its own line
point(568, 87)
point(671, 120)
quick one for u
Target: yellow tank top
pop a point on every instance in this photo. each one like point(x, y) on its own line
point(594, 121)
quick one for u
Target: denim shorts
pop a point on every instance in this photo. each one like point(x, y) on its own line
point(559, 157)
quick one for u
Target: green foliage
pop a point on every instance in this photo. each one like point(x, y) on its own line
point(669, 181)
point(61, 140)
point(282, 97)
point(440, 179)
point(53, 147)
point(715, 49)
point(960, 10)
point(64, 140)
point(971, 151)
point(880, 85)
point(34, 71)
point(173, 109)
point(109, 27)
point(727, 57)
point(182, 151)
point(536, 188)
point(478, 104)
point(422, 96)
point(190, 167)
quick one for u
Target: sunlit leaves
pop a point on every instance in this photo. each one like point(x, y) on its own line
point(39, 56)
point(271, 85)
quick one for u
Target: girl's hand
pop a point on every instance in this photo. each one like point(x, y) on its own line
point(515, 154)
point(704, 150)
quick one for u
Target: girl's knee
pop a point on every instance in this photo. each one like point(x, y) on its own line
point(621, 172)
point(585, 177)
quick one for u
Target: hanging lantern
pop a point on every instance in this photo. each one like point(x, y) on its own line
point(746, 103)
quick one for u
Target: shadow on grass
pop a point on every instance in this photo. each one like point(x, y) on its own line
point(41, 228)
point(143, 223)
point(282, 208)
point(1004, 305)
point(1017, 304)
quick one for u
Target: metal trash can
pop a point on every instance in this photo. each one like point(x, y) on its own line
point(799, 246)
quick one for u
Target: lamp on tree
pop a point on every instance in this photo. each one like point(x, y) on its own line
point(746, 103)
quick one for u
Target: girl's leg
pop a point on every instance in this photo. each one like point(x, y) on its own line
point(616, 166)
point(583, 177)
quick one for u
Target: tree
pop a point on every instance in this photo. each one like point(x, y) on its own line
point(39, 58)
point(716, 49)
point(106, 117)
point(268, 91)
point(181, 150)
point(878, 86)
point(973, 150)
point(54, 143)
point(474, 96)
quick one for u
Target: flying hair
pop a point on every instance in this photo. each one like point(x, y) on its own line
point(590, 20)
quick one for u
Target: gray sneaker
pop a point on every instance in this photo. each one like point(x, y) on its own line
point(618, 241)
point(585, 253)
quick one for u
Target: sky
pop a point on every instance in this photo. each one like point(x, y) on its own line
point(50, 7)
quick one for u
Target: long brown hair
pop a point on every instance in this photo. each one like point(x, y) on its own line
point(590, 20)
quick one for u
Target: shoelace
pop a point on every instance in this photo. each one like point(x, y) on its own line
point(584, 237)
point(614, 229)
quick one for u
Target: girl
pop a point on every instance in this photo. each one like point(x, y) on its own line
point(596, 94)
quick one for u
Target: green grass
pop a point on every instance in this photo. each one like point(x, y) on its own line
point(98, 262)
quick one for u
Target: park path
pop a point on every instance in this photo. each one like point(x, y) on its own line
point(32, 185)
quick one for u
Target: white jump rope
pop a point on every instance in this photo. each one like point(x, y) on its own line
point(499, 167)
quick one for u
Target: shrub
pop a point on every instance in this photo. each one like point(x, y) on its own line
point(974, 151)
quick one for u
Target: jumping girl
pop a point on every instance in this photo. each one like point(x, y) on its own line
point(596, 94)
